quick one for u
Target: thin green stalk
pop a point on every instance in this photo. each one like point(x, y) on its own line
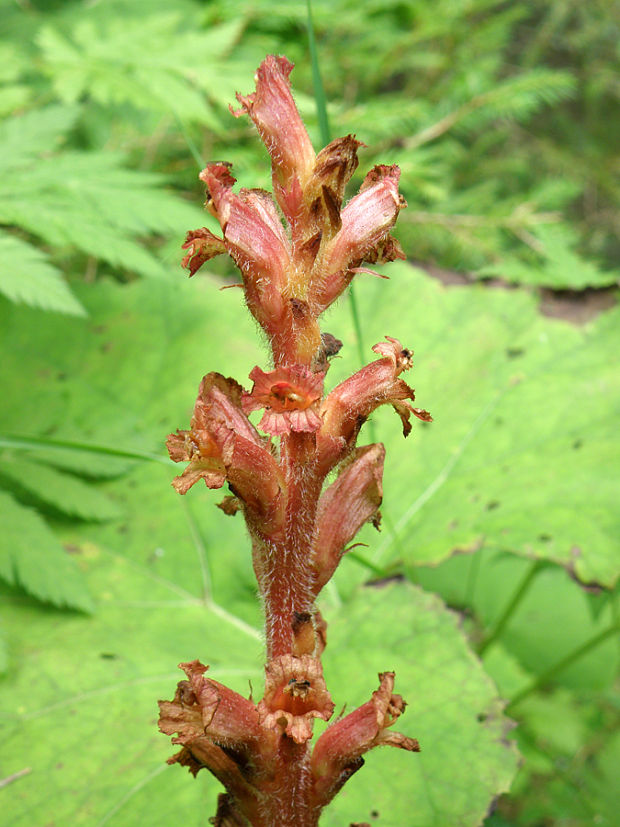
point(367, 564)
point(472, 578)
point(511, 606)
point(546, 678)
point(323, 118)
point(31, 443)
point(317, 81)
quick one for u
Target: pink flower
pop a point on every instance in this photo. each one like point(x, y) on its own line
point(222, 446)
point(347, 407)
point(363, 237)
point(219, 730)
point(349, 502)
point(280, 127)
point(290, 396)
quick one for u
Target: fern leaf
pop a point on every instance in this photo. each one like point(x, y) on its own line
point(27, 277)
point(32, 558)
point(62, 491)
point(141, 60)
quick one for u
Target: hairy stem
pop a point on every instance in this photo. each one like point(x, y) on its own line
point(288, 585)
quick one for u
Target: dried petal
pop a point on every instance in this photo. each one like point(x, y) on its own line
point(295, 694)
point(197, 448)
point(349, 502)
point(201, 245)
point(338, 751)
point(335, 164)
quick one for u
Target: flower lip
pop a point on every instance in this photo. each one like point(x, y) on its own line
point(290, 396)
point(295, 694)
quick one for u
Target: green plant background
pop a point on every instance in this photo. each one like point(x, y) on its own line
point(492, 588)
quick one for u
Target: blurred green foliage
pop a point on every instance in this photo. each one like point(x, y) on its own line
point(503, 117)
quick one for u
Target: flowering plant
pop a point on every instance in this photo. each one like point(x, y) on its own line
point(296, 257)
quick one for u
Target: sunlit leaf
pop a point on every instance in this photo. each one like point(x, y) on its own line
point(523, 454)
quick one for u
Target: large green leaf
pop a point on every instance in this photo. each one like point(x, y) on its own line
point(560, 612)
point(524, 452)
point(453, 710)
point(173, 581)
point(85, 719)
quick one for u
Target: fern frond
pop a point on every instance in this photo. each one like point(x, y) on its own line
point(161, 62)
point(26, 276)
point(86, 200)
point(63, 492)
point(32, 558)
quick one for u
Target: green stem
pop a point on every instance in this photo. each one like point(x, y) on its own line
point(325, 132)
point(544, 679)
point(317, 81)
point(472, 578)
point(367, 564)
point(31, 443)
point(511, 606)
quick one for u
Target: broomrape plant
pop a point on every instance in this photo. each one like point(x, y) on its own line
point(296, 257)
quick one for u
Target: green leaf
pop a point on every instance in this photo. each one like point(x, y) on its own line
point(142, 60)
point(83, 200)
point(34, 133)
point(82, 459)
point(32, 558)
point(558, 264)
point(27, 276)
point(174, 580)
point(146, 623)
point(559, 610)
point(524, 452)
point(64, 492)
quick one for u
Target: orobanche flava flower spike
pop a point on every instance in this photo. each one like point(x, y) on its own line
point(297, 252)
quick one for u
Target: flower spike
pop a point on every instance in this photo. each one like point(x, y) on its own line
point(297, 251)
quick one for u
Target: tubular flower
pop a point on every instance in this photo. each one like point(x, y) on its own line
point(254, 238)
point(219, 731)
point(279, 125)
point(291, 397)
point(348, 406)
point(349, 502)
point(338, 752)
point(364, 235)
point(223, 446)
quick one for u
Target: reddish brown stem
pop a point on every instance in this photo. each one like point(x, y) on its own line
point(288, 580)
